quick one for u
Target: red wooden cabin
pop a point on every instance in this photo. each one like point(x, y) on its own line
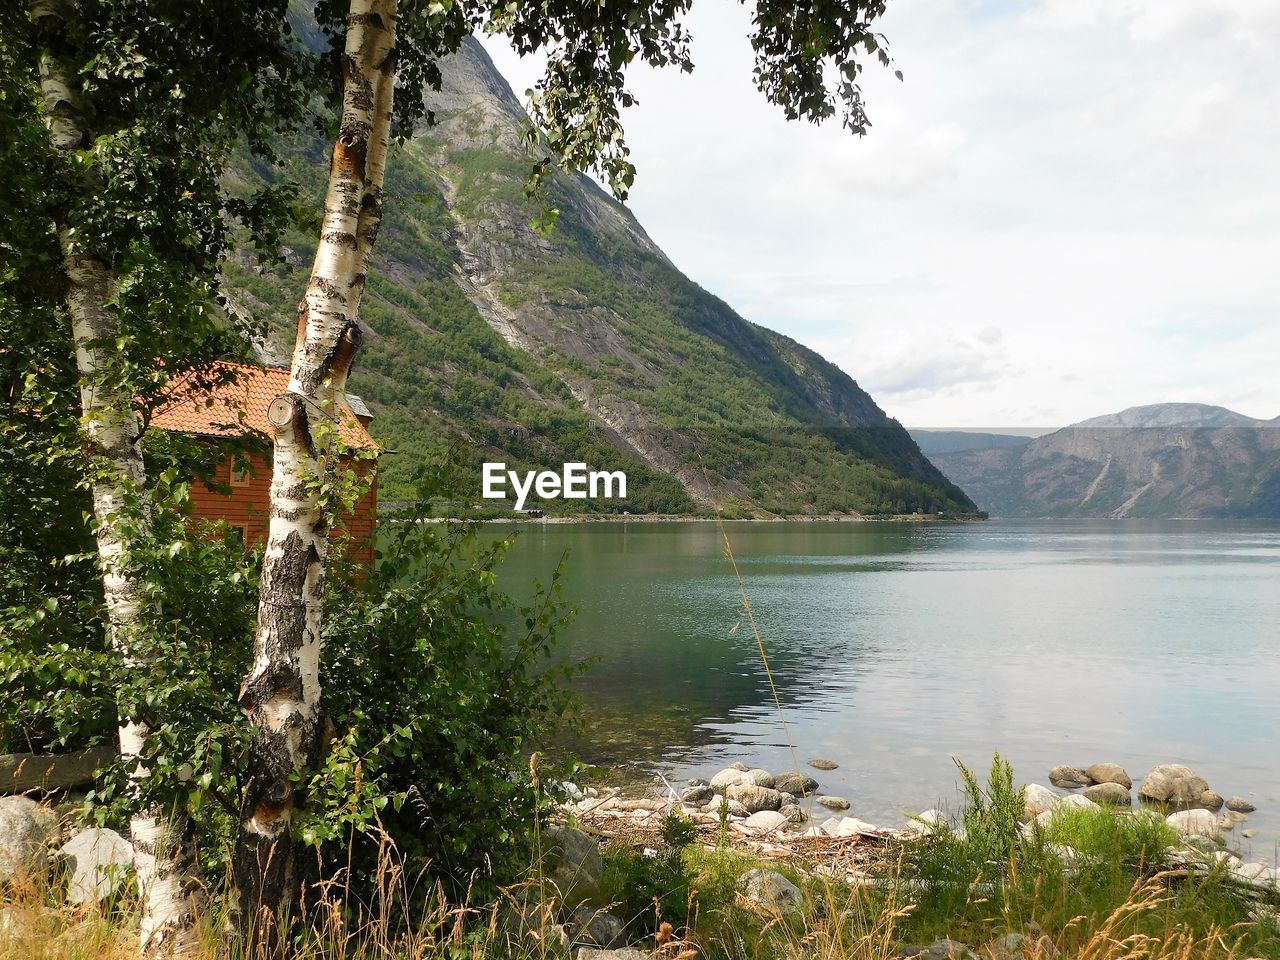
point(239, 407)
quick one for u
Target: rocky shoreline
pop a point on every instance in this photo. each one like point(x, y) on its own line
point(768, 813)
point(784, 818)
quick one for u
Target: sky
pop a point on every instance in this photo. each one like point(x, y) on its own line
point(1066, 208)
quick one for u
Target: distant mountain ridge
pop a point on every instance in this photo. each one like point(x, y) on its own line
point(1156, 461)
point(1175, 415)
point(933, 442)
point(584, 344)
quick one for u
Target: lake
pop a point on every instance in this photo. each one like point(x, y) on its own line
point(898, 646)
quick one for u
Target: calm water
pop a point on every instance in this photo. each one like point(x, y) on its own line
point(898, 646)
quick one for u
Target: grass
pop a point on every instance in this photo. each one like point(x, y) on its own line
point(1154, 918)
point(1112, 898)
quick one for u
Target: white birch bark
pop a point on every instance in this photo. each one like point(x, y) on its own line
point(169, 895)
point(281, 694)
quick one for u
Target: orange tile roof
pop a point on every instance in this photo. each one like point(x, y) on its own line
point(239, 406)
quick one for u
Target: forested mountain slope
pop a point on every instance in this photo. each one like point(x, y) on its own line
point(584, 344)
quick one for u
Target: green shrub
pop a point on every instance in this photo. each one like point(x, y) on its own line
point(650, 887)
point(436, 684)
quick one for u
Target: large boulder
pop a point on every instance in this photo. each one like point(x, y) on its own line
point(1240, 805)
point(1068, 777)
point(845, 827)
point(723, 805)
point(771, 891)
point(698, 794)
point(730, 777)
point(755, 798)
point(943, 949)
point(793, 812)
point(761, 777)
point(766, 821)
point(1076, 800)
point(1210, 800)
point(99, 861)
point(26, 830)
point(1196, 823)
point(1037, 798)
point(598, 928)
point(622, 953)
point(1110, 793)
point(1109, 773)
point(795, 783)
point(573, 865)
point(1174, 785)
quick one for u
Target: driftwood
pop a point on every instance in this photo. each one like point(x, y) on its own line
point(20, 772)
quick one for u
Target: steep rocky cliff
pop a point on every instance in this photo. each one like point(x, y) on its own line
point(1163, 460)
point(585, 343)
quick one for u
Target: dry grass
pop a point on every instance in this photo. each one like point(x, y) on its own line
point(406, 918)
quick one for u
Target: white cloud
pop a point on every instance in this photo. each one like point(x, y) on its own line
point(1067, 208)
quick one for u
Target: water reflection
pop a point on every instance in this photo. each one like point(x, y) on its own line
point(898, 646)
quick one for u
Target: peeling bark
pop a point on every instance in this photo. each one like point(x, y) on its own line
point(163, 855)
point(281, 694)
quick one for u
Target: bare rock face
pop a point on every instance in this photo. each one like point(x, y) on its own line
point(1068, 777)
point(1109, 773)
point(1175, 785)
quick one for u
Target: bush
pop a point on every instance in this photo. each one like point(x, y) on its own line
point(436, 684)
point(650, 890)
point(438, 688)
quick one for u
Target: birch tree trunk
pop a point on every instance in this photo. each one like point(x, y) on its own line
point(281, 693)
point(162, 852)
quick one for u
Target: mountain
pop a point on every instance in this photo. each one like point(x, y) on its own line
point(1173, 415)
point(933, 442)
point(582, 344)
point(1159, 461)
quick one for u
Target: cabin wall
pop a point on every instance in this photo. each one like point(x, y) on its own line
point(248, 505)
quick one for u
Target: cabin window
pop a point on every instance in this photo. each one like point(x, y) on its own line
point(239, 473)
point(237, 533)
